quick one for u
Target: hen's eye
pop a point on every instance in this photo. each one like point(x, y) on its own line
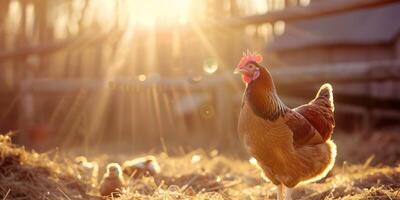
point(251, 66)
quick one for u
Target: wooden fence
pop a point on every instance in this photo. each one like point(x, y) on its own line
point(227, 34)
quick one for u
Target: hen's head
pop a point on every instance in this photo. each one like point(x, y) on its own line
point(249, 66)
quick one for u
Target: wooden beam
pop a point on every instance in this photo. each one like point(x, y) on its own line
point(43, 49)
point(337, 73)
point(340, 72)
point(317, 9)
point(72, 85)
point(339, 107)
point(365, 99)
point(36, 50)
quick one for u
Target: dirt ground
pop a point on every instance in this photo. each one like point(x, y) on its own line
point(367, 169)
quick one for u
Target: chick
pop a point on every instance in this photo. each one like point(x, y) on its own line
point(88, 171)
point(112, 180)
point(142, 166)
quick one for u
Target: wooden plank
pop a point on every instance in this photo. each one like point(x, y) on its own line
point(384, 90)
point(339, 107)
point(338, 73)
point(341, 72)
point(363, 98)
point(47, 85)
point(73, 42)
point(317, 9)
point(37, 50)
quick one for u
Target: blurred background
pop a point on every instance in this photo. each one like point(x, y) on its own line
point(139, 76)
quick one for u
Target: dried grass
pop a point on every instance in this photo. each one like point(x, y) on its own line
point(196, 175)
point(29, 175)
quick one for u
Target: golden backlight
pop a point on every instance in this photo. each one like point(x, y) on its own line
point(146, 13)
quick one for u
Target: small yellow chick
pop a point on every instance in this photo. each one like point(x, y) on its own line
point(112, 180)
point(87, 170)
point(142, 166)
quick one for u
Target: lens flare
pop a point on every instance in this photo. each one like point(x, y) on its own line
point(210, 66)
point(142, 77)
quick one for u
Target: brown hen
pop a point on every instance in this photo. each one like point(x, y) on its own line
point(291, 146)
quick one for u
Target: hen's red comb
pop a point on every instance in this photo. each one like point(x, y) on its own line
point(250, 57)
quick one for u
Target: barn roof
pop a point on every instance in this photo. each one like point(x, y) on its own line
point(369, 26)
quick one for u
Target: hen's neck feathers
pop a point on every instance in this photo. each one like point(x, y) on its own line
point(262, 97)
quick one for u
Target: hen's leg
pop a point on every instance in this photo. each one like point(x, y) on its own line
point(288, 193)
point(280, 191)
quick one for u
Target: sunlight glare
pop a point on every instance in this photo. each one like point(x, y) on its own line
point(151, 12)
point(105, 10)
point(142, 77)
point(254, 6)
point(253, 161)
point(14, 16)
point(210, 66)
point(304, 2)
point(195, 158)
point(279, 27)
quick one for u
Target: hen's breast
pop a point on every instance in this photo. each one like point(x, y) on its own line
point(268, 141)
point(262, 136)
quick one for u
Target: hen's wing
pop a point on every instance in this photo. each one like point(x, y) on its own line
point(303, 132)
point(313, 123)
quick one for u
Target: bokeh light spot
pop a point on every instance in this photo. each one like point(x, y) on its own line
point(210, 66)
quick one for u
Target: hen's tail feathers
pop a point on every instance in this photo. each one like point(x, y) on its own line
point(326, 95)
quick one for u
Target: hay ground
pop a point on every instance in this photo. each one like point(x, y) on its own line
point(195, 175)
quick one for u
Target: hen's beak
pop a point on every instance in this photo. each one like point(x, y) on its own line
point(239, 70)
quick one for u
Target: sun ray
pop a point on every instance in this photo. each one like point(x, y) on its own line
point(213, 52)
